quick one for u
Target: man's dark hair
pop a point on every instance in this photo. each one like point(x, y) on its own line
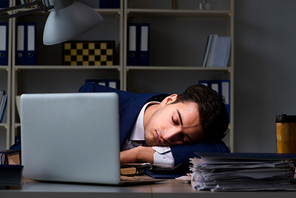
point(212, 110)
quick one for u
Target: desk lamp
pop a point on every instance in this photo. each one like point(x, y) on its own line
point(67, 19)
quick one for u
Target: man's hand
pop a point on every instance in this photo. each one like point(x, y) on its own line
point(138, 154)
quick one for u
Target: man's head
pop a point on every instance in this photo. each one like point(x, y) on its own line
point(197, 113)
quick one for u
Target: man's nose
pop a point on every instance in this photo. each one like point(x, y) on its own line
point(172, 135)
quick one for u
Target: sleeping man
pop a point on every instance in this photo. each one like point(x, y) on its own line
point(167, 130)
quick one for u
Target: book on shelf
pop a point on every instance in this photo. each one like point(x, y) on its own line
point(30, 1)
point(109, 3)
point(25, 43)
point(217, 51)
point(3, 101)
point(113, 83)
point(138, 44)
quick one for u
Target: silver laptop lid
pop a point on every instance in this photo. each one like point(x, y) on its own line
point(71, 137)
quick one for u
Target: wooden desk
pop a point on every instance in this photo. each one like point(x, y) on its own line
point(167, 189)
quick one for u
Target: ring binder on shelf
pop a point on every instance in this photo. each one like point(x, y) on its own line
point(114, 3)
point(104, 4)
point(31, 44)
point(222, 87)
point(3, 43)
point(132, 58)
point(144, 34)
point(21, 43)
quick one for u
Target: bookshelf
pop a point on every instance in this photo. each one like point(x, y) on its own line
point(5, 84)
point(178, 34)
point(49, 75)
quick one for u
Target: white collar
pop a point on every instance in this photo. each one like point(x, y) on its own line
point(137, 133)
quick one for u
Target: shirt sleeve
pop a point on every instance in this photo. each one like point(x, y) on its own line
point(163, 156)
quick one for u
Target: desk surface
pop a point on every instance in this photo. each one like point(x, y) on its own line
point(170, 188)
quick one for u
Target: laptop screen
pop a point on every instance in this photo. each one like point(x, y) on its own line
point(71, 137)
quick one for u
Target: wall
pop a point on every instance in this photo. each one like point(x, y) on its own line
point(264, 71)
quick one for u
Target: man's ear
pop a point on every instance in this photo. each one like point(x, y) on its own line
point(169, 99)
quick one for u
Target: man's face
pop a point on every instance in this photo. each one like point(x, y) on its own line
point(172, 124)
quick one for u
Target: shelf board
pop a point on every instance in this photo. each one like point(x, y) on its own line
point(3, 124)
point(177, 13)
point(3, 67)
point(110, 12)
point(63, 67)
point(197, 68)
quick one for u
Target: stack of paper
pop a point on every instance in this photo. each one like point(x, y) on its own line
point(243, 171)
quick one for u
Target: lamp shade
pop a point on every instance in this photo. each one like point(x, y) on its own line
point(67, 20)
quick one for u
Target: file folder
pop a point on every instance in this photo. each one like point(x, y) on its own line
point(102, 82)
point(113, 83)
point(225, 91)
point(21, 44)
point(3, 101)
point(223, 88)
point(104, 4)
point(207, 51)
point(144, 33)
point(132, 58)
point(211, 56)
point(3, 43)
point(216, 85)
point(205, 82)
point(114, 3)
point(4, 3)
point(31, 44)
point(222, 51)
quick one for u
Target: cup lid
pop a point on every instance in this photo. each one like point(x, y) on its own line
point(286, 118)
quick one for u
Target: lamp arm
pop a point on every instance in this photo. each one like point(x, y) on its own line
point(40, 7)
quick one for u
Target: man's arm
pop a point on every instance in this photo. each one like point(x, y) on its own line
point(182, 153)
point(138, 154)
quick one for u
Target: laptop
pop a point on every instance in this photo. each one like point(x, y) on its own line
point(72, 137)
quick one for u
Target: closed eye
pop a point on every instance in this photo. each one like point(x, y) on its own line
point(175, 121)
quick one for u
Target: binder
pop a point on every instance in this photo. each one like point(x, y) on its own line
point(132, 58)
point(21, 44)
point(223, 88)
point(31, 43)
point(114, 3)
point(102, 82)
point(113, 83)
point(3, 105)
point(210, 61)
point(104, 4)
point(216, 85)
point(144, 33)
point(98, 81)
point(227, 51)
point(207, 51)
point(222, 51)
point(3, 43)
point(218, 53)
point(225, 91)
point(4, 3)
point(205, 82)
